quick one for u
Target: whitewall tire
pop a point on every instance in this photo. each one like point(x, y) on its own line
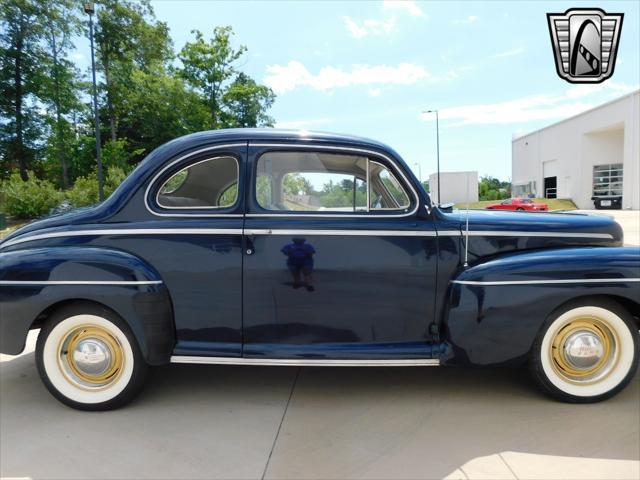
point(88, 358)
point(586, 352)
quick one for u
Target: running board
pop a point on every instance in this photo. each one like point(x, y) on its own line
point(307, 362)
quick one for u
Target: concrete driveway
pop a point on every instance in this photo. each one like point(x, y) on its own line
point(318, 423)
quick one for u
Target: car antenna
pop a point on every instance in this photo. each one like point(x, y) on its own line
point(466, 231)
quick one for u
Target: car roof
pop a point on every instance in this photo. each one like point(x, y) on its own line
point(275, 134)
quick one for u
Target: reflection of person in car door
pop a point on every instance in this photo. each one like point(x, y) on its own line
point(300, 262)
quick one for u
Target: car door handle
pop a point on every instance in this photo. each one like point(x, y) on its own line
point(249, 244)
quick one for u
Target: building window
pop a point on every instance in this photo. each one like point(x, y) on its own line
point(607, 180)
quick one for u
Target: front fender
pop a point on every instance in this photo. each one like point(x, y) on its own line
point(496, 308)
point(33, 281)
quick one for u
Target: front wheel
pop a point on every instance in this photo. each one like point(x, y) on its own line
point(587, 352)
point(88, 358)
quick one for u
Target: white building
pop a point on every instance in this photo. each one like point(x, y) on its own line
point(593, 154)
point(457, 187)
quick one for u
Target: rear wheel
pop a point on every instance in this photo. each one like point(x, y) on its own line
point(586, 352)
point(88, 358)
point(520, 209)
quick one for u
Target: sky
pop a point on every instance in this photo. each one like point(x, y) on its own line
point(371, 68)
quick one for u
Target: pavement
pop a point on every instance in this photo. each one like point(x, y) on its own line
point(629, 219)
point(223, 422)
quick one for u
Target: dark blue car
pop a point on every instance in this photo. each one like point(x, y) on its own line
point(269, 247)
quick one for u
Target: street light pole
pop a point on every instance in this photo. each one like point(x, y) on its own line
point(437, 149)
point(89, 9)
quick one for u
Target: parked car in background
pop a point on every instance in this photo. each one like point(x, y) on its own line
point(519, 205)
point(277, 247)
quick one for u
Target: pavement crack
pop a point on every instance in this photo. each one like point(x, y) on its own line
point(286, 407)
point(508, 466)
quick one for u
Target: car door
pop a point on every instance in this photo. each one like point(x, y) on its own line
point(339, 256)
point(197, 209)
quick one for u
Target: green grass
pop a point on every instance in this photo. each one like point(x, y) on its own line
point(554, 204)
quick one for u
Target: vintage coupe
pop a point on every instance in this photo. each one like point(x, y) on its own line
point(272, 247)
point(519, 205)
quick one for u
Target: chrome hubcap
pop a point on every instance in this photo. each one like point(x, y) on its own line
point(583, 349)
point(92, 356)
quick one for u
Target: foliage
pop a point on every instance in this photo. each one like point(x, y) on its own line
point(31, 199)
point(145, 98)
point(85, 190)
point(232, 98)
point(490, 188)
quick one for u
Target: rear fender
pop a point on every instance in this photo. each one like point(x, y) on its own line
point(33, 282)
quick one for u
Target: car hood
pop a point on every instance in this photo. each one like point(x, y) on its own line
point(493, 232)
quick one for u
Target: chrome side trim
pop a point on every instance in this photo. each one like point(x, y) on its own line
point(546, 282)
point(344, 149)
point(81, 282)
point(506, 233)
point(350, 233)
point(284, 362)
point(178, 160)
point(126, 231)
point(551, 233)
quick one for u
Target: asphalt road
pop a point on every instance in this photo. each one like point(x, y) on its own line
point(318, 423)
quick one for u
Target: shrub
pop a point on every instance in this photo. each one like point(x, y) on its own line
point(85, 191)
point(31, 199)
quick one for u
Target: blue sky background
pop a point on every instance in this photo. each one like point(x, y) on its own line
point(371, 67)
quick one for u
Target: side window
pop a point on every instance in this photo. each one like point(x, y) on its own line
point(210, 183)
point(387, 192)
point(326, 182)
point(507, 202)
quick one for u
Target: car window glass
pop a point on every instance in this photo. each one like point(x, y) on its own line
point(210, 183)
point(326, 182)
point(386, 192)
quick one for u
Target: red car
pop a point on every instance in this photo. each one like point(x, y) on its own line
point(519, 204)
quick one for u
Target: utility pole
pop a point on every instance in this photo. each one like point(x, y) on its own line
point(437, 148)
point(89, 9)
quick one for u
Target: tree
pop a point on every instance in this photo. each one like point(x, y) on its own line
point(20, 72)
point(59, 89)
point(208, 66)
point(127, 37)
point(247, 103)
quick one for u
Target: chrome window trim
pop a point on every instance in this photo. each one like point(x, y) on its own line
point(80, 282)
point(546, 282)
point(178, 160)
point(374, 153)
point(286, 362)
point(207, 207)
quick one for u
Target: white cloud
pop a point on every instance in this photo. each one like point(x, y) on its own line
point(408, 6)
point(532, 108)
point(375, 92)
point(369, 27)
point(285, 78)
point(466, 21)
point(78, 56)
point(509, 53)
